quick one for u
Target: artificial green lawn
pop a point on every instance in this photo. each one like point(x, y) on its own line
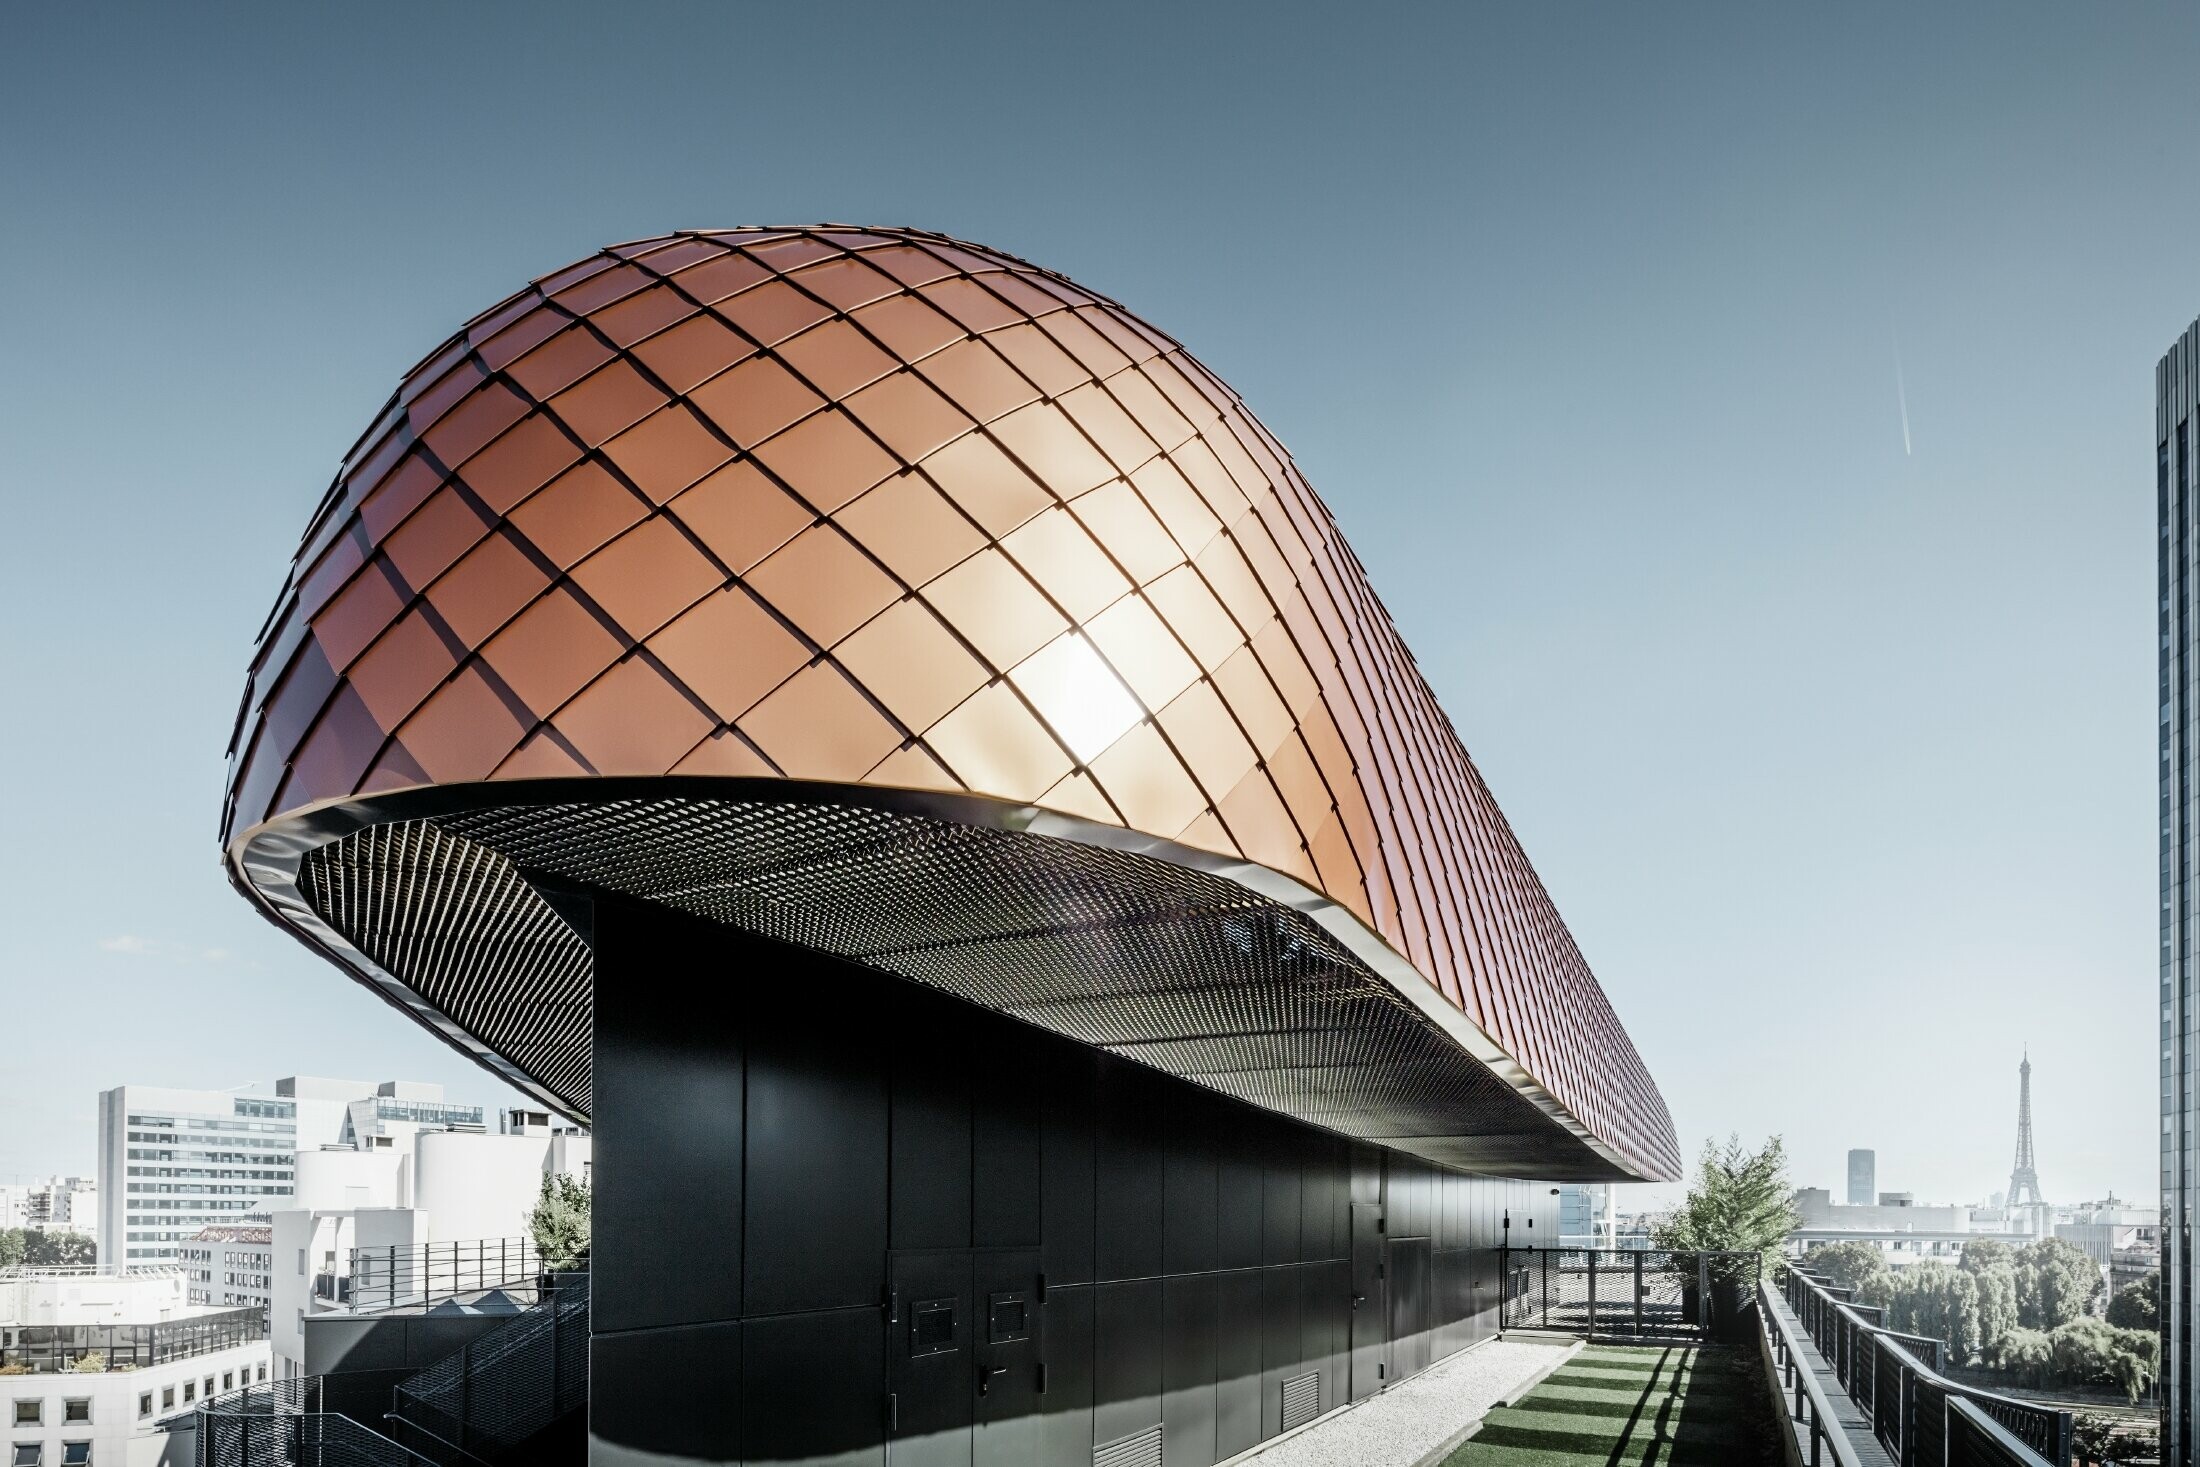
point(1618, 1406)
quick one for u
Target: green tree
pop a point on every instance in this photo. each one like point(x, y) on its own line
point(559, 1222)
point(1741, 1202)
point(11, 1247)
point(1858, 1266)
point(2093, 1352)
point(42, 1249)
point(2056, 1283)
point(2137, 1305)
point(1985, 1253)
point(2024, 1355)
point(1934, 1299)
point(1992, 1265)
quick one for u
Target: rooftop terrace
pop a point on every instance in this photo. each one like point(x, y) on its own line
point(1675, 1406)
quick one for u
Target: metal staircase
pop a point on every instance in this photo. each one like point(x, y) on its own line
point(513, 1395)
point(505, 1390)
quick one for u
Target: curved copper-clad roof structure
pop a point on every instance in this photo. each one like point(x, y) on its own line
point(875, 591)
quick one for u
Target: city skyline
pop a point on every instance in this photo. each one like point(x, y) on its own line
point(1796, 719)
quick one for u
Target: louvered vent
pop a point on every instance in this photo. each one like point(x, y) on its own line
point(1302, 1399)
point(1142, 1449)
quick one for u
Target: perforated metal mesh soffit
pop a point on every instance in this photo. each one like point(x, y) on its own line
point(882, 509)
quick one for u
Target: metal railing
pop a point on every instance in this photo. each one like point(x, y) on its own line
point(1976, 1439)
point(419, 1275)
point(282, 1424)
point(1812, 1409)
point(1895, 1380)
point(1626, 1293)
point(40, 1349)
point(504, 1388)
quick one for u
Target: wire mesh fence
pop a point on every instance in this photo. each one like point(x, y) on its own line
point(504, 1388)
point(1646, 1294)
point(281, 1424)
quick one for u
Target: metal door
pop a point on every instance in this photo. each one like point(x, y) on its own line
point(931, 1342)
point(1008, 1356)
point(1407, 1272)
point(1368, 1307)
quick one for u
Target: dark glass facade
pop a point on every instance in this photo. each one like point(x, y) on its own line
point(2176, 379)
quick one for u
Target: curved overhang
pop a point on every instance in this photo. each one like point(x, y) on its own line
point(892, 598)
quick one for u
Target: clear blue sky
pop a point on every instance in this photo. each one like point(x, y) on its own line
point(1584, 320)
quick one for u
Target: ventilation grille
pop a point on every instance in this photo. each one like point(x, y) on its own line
point(1140, 1450)
point(1302, 1399)
point(1187, 972)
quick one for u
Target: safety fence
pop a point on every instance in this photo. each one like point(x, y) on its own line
point(1635, 1294)
point(281, 1424)
point(1920, 1416)
point(422, 1275)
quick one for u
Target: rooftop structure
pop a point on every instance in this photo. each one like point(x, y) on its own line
point(91, 1361)
point(944, 669)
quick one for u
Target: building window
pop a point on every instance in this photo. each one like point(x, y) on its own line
point(190, 1391)
point(76, 1408)
point(263, 1372)
point(30, 1413)
point(76, 1454)
point(27, 1454)
point(168, 1398)
point(145, 1404)
point(229, 1380)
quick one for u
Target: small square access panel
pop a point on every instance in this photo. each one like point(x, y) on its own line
point(932, 1328)
point(1007, 1318)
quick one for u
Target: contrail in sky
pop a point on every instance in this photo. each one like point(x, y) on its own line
point(1902, 399)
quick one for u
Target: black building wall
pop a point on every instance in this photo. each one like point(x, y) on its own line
point(798, 1156)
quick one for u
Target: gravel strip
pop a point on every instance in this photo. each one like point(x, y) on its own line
point(1405, 1424)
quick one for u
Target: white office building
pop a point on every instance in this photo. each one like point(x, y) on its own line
point(90, 1363)
point(172, 1162)
point(227, 1265)
point(447, 1217)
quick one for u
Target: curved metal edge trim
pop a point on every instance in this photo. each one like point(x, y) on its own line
point(272, 850)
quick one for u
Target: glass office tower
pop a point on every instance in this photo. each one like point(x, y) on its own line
point(2174, 390)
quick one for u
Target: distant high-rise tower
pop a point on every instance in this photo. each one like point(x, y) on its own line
point(2024, 1183)
point(2177, 628)
point(1863, 1178)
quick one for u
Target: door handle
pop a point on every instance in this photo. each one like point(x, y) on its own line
point(985, 1377)
point(1358, 1300)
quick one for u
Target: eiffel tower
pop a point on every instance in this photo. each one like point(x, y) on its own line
point(2024, 1183)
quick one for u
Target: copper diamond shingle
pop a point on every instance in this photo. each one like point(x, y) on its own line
point(880, 507)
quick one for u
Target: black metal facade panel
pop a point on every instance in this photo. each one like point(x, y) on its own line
point(1189, 1340)
point(1238, 1357)
point(1127, 1373)
point(672, 1088)
point(815, 1301)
